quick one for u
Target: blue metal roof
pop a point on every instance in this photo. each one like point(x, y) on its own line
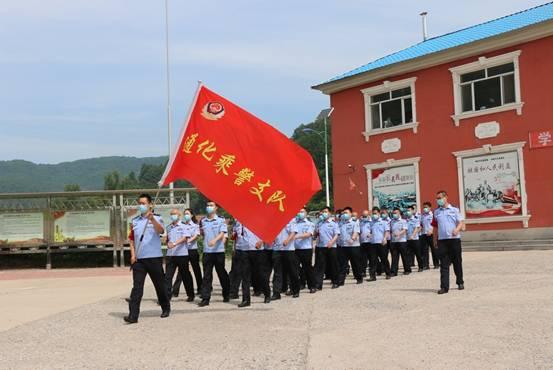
point(465, 36)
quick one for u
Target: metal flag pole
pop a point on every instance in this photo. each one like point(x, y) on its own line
point(168, 75)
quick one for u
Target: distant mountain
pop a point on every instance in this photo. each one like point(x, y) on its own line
point(24, 176)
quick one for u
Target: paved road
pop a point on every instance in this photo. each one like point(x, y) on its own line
point(502, 320)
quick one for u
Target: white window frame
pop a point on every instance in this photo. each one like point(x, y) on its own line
point(489, 149)
point(387, 86)
point(391, 163)
point(483, 63)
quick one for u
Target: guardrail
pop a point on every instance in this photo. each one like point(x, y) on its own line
point(74, 222)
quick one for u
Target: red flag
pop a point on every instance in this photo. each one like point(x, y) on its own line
point(237, 160)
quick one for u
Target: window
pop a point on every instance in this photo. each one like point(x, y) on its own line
point(390, 107)
point(487, 86)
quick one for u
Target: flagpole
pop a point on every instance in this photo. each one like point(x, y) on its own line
point(169, 123)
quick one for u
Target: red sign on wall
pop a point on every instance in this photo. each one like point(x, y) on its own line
point(541, 139)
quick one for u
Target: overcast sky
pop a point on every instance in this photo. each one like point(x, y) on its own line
point(86, 78)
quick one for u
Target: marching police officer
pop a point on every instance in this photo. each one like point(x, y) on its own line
point(350, 247)
point(380, 230)
point(285, 262)
point(215, 230)
point(304, 248)
point(427, 237)
point(365, 239)
point(450, 222)
point(192, 228)
point(398, 247)
point(325, 252)
point(146, 258)
point(414, 226)
point(177, 255)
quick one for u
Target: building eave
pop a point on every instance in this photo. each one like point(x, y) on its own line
point(526, 34)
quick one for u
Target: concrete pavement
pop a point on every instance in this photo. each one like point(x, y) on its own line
point(502, 320)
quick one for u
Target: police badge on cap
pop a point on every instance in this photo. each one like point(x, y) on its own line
point(213, 111)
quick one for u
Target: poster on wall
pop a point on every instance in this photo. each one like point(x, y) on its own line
point(22, 228)
point(394, 187)
point(82, 226)
point(492, 185)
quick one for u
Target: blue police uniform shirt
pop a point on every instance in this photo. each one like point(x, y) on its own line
point(282, 236)
point(448, 218)
point(365, 230)
point(211, 228)
point(176, 231)
point(245, 238)
point(150, 246)
point(378, 229)
point(397, 226)
point(192, 229)
point(327, 230)
point(426, 222)
point(412, 223)
point(388, 219)
point(302, 227)
point(347, 229)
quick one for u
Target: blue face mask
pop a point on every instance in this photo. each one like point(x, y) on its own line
point(441, 202)
point(345, 216)
point(209, 209)
point(142, 208)
point(426, 210)
point(408, 213)
point(301, 215)
point(174, 218)
point(187, 217)
point(395, 216)
point(375, 217)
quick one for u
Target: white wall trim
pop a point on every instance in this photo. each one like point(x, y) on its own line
point(390, 163)
point(382, 88)
point(489, 149)
point(481, 63)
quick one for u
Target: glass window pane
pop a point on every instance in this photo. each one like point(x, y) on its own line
point(380, 97)
point(408, 108)
point(391, 113)
point(487, 94)
point(466, 97)
point(504, 68)
point(375, 116)
point(509, 89)
point(401, 92)
point(473, 75)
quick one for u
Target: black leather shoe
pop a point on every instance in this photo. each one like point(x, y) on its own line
point(388, 277)
point(267, 299)
point(442, 291)
point(406, 272)
point(226, 299)
point(288, 293)
point(372, 278)
point(175, 294)
point(190, 299)
point(203, 303)
point(244, 304)
point(296, 295)
point(128, 300)
point(129, 320)
point(233, 296)
point(461, 286)
point(394, 274)
point(312, 290)
point(420, 269)
point(335, 286)
point(165, 314)
point(320, 287)
point(275, 297)
point(359, 281)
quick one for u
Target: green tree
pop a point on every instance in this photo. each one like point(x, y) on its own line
point(112, 181)
point(72, 187)
point(130, 182)
point(311, 137)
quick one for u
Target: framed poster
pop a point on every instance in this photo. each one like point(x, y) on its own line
point(21, 228)
point(89, 226)
point(491, 185)
point(394, 187)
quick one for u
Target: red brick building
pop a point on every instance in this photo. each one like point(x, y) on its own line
point(470, 112)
